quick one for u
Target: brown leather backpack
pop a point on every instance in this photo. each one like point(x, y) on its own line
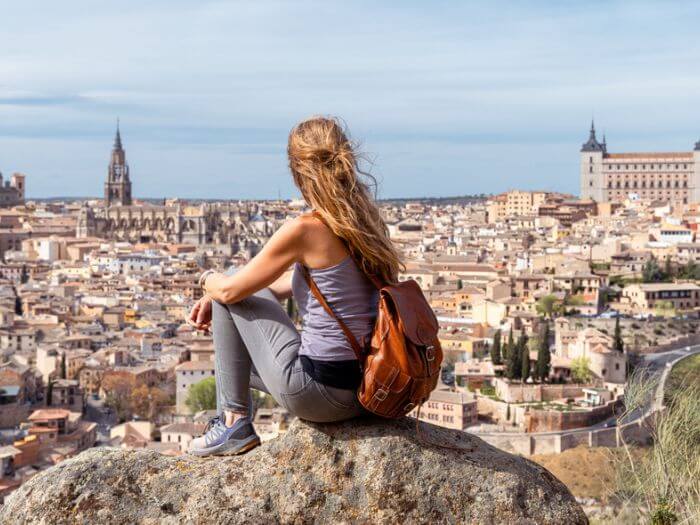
point(401, 366)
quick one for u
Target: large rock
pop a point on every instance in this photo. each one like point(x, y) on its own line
point(360, 471)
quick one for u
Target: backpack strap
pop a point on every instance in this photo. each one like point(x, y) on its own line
point(322, 301)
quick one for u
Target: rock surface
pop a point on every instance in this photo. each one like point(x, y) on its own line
point(360, 471)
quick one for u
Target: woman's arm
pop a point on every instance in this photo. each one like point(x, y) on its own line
point(284, 248)
point(282, 287)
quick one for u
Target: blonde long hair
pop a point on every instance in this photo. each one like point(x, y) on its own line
point(325, 167)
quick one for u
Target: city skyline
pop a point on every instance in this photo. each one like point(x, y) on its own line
point(472, 99)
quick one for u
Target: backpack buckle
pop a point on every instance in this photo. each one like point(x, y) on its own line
point(430, 353)
point(380, 394)
point(409, 407)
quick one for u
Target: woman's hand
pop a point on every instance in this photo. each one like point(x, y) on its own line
point(200, 314)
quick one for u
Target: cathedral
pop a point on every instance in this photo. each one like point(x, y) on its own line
point(614, 177)
point(230, 227)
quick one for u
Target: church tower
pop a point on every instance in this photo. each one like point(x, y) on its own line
point(592, 154)
point(118, 185)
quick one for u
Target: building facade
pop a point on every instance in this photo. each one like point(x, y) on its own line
point(12, 191)
point(647, 297)
point(615, 177)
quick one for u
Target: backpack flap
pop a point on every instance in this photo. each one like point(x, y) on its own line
point(417, 319)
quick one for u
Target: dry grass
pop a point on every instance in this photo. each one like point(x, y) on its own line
point(587, 472)
point(665, 484)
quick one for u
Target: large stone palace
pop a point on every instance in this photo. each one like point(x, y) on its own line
point(614, 177)
point(230, 226)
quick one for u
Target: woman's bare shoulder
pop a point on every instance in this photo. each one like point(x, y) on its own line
point(308, 223)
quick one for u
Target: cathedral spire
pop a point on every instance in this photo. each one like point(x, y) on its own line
point(118, 138)
point(593, 144)
point(118, 184)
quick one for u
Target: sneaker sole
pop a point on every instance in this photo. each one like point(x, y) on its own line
point(241, 450)
point(229, 448)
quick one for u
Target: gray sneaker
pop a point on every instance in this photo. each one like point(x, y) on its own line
point(220, 440)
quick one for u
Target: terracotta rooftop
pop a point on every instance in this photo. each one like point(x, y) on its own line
point(651, 155)
point(49, 413)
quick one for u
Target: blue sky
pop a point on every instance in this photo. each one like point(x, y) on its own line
point(448, 98)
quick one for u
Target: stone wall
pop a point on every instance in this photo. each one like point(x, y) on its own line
point(528, 393)
point(536, 420)
point(555, 443)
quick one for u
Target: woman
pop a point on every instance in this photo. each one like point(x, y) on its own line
point(314, 374)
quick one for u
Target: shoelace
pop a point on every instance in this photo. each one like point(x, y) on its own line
point(215, 432)
point(211, 423)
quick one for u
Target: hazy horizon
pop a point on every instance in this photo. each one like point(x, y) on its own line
point(448, 99)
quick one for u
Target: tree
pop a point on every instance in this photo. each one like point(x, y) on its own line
point(524, 361)
point(668, 269)
point(509, 346)
point(49, 393)
point(651, 272)
point(496, 349)
point(515, 353)
point(619, 344)
point(146, 402)
point(690, 271)
point(202, 395)
point(580, 371)
point(118, 387)
point(63, 366)
point(18, 303)
point(544, 357)
point(547, 306)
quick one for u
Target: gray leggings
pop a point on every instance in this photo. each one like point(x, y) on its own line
point(256, 346)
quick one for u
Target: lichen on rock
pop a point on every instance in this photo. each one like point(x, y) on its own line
point(359, 471)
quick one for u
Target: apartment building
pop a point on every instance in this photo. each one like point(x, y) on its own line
point(646, 297)
point(449, 409)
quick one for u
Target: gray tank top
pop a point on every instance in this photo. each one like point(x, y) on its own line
point(351, 296)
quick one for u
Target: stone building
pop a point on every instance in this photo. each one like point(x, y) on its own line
point(12, 191)
point(606, 177)
point(449, 409)
point(645, 298)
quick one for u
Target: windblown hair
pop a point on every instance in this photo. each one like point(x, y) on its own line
point(325, 167)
